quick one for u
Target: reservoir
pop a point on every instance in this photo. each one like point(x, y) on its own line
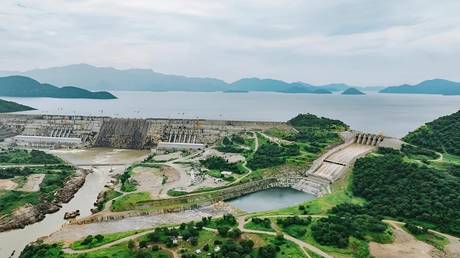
point(390, 114)
point(271, 199)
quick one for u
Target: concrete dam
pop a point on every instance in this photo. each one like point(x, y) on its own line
point(54, 131)
point(124, 133)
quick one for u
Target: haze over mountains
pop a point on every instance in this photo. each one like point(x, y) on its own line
point(108, 78)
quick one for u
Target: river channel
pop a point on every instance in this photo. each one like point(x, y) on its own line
point(83, 199)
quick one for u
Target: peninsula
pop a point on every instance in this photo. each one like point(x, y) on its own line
point(10, 106)
point(21, 86)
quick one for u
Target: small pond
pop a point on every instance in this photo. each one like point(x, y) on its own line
point(271, 199)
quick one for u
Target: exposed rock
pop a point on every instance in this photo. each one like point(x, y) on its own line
point(29, 214)
point(26, 215)
point(72, 215)
point(65, 194)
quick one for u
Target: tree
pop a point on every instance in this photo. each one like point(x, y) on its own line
point(234, 233)
point(223, 230)
point(88, 240)
point(131, 245)
point(99, 237)
point(268, 251)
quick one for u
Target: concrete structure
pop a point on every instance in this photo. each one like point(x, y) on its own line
point(43, 141)
point(126, 133)
point(368, 139)
point(334, 163)
point(180, 146)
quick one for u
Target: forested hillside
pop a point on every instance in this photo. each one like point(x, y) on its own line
point(399, 187)
point(442, 134)
point(10, 106)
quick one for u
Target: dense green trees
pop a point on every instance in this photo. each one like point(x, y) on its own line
point(272, 154)
point(312, 121)
point(294, 220)
point(410, 190)
point(313, 129)
point(347, 220)
point(442, 134)
point(220, 164)
point(41, 250)
point(419, 152)
point(19, 156)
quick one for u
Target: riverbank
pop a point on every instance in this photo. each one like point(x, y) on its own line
point(83, 199)
point(30, 214)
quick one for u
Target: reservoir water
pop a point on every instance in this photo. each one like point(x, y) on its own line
point(271, 199)
point(392, 114)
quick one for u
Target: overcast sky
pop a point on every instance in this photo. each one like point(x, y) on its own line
point(353, 41)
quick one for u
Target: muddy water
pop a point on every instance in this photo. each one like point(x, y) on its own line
point(83, 200)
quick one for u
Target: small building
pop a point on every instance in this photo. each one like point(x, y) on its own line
point(226, 173)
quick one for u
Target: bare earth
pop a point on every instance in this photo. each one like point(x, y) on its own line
point(33, 183)
point(7, 184)
point(149, 180)
point(404, 245)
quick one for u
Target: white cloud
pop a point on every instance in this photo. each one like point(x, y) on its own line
point(354, 41)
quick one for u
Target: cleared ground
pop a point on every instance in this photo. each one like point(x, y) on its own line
point(7, 184)
point(404, 245)
point(33, 183)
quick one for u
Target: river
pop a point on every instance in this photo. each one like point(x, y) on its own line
point(393, 114)
point(83, 199)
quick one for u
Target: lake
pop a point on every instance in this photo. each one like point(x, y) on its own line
point(391, 114)
point(271, 199)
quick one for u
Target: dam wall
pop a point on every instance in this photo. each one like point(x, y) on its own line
point(51, 130)
point(124, 133)
point(87, 131)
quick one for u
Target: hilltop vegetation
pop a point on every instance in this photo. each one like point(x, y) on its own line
point(442, 134)
point(398, 187)
point(10, 106)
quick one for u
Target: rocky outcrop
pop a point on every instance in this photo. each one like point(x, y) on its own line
point(26, 215)
point(30, 214)
point(65, 194)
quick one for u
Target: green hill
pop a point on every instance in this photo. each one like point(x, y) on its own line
point(20, 86)
point(436, 86)
point(442, 134)
point(10, 106)
point(352, 91)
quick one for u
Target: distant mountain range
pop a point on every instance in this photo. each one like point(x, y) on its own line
point(436, 86)
point(108, 78)
point(10, 106)
point(21, 86)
